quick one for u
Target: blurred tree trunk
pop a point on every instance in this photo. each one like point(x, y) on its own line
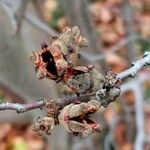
point(129, 24)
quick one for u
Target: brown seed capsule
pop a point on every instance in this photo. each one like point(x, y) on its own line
point(49, 62)
point(82, 80)
point(75, 117)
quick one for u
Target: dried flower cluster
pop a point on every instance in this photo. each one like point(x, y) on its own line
point(57, 62)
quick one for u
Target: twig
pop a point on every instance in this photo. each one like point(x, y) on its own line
point(21, 108)
point(138, 65)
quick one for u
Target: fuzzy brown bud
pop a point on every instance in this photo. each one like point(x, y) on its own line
point(44, 126)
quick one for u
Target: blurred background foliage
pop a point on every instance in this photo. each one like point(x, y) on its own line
point(56, 15)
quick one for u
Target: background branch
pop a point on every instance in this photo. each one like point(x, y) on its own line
point(40, 25)
point(93, 57)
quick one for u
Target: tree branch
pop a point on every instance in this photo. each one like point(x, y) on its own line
point(21, 108)
point(138, 65)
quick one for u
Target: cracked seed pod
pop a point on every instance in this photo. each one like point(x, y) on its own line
point(69, 42)
point(49, 62)
point(52, 61)
point(44, 126)
point(83, 80)
point(75, 117)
